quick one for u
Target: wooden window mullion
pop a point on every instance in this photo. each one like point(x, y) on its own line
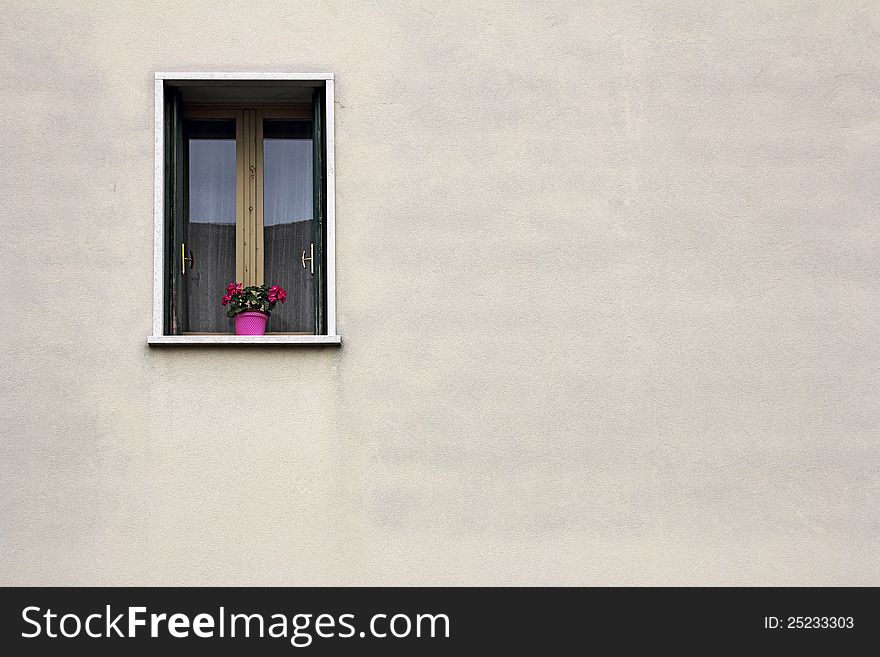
point(259, 256)
point(251, 205)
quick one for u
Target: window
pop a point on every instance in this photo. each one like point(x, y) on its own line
point(244, 192)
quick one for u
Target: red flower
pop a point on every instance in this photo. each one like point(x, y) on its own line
point(277, 293)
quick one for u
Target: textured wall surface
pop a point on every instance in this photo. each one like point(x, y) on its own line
point(608, 290)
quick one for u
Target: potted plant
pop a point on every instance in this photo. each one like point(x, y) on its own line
point(250, 306)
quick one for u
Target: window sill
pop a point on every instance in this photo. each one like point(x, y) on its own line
point(281, 340)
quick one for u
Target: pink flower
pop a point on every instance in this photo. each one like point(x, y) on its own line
point(233, 288)
point(226, 299)
point(276, 293)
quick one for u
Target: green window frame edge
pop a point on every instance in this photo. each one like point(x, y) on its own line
point(161, 269)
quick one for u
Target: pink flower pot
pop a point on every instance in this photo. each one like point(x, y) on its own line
point(250, 323)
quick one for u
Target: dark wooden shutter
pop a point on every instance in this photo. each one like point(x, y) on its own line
point(319, 199)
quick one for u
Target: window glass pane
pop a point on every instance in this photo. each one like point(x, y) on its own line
point(288, 221)
point(211, 222)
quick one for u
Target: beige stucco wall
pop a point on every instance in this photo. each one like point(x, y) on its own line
point(608, 290)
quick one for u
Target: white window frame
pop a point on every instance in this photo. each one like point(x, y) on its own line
point(158, 337)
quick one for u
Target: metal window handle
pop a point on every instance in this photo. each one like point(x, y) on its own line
point(311, 258)
point(184, 259)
